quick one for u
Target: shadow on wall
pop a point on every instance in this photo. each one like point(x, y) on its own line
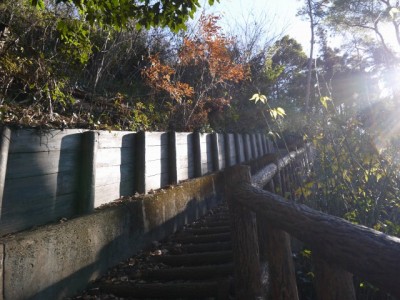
point(139, 223)
point(127, 167)
point(68, 195)
point(40, 183)
point(164, 156)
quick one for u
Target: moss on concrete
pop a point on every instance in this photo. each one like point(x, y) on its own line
point(58, 260)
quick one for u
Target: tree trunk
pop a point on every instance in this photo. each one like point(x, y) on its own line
point(310, 58)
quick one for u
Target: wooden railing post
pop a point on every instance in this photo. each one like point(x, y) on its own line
point(298, 166)
point(244, 238)
point(275, 248)
point(263, 231)
point(280, 182)
point(332, 282)
point(294, 169)
point(288, 179)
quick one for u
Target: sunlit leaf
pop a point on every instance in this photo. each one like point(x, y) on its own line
point(298, 192)
point(281, 111)
point(393, 12)
point(346, 176)
point(259, 97)
point(324, 101)
point(378, 177)
point(273, 113)
point(311, 274)
point(306, 253)
point(254, 97)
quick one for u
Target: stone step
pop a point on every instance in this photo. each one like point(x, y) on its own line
point(212, 224)
point(174, 290)
point(200, 269)
point(206, 230)
point(206, 238)
point(196, 259)
point(189, 273)
point(207, 247)
point(218, 217)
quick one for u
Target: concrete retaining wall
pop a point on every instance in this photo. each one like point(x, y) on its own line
point(49, 175)
point(55, 261)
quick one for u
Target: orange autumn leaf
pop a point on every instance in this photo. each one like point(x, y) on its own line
point(159, 76)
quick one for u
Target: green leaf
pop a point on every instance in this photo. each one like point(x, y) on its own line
point(346, 176)
point(306, 253)
point(366, 177)
point(38, 4)
point(62, 27)
point(324, 101)
point(378, 177)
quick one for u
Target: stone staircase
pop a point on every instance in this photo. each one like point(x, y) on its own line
point(194, 263)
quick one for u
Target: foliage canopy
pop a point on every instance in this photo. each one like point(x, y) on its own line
point(145, 13)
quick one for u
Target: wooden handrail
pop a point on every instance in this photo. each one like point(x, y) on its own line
point(372, 255)
point(262, 177)
point(281, 268)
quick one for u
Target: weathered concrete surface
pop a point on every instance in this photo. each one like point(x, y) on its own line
point(55, 261)
point(1, 270)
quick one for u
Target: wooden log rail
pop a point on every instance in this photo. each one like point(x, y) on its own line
point(261, 223)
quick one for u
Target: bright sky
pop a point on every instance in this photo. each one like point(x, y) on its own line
point(280, 14)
